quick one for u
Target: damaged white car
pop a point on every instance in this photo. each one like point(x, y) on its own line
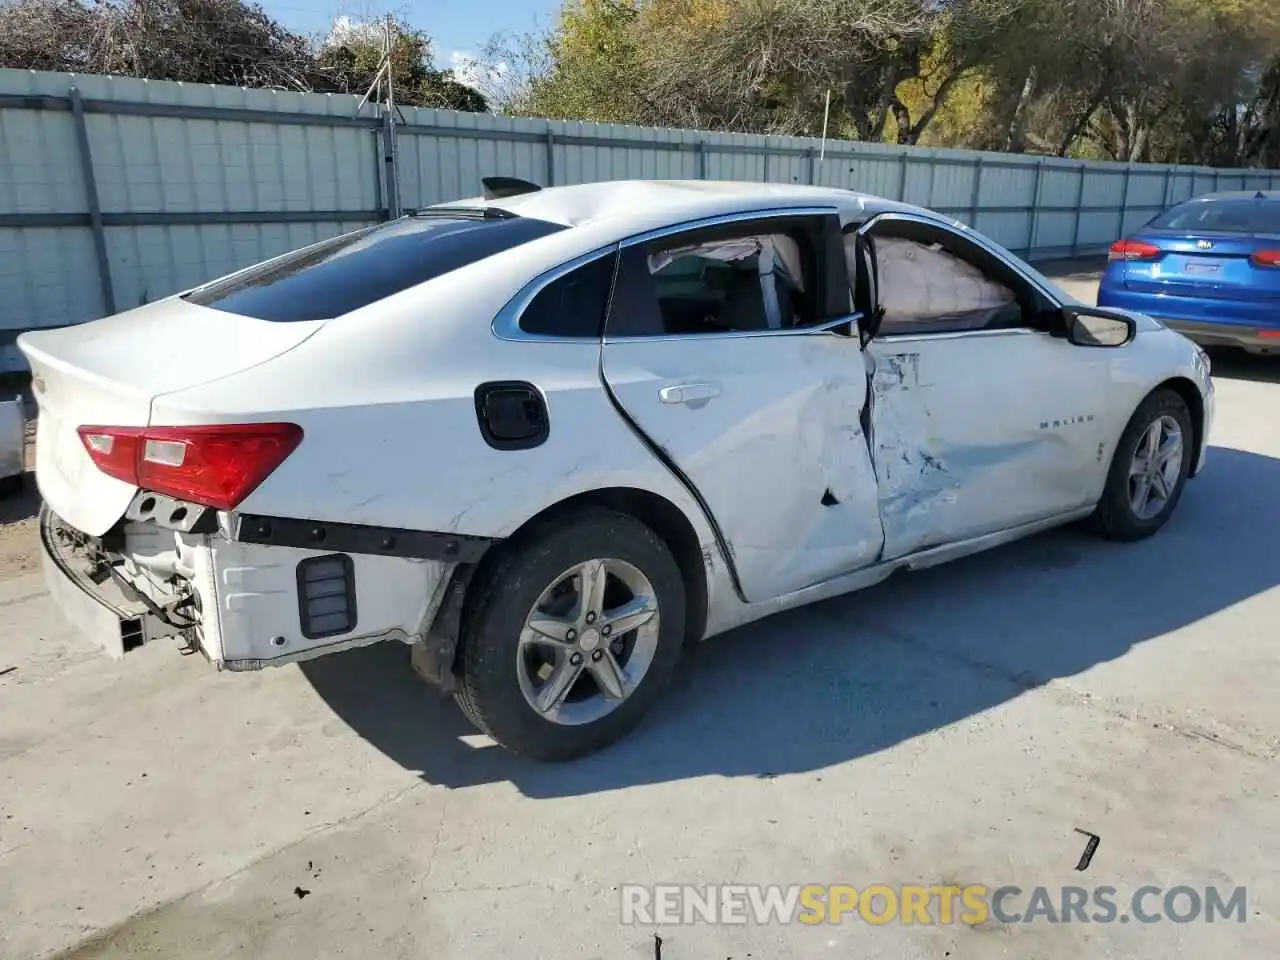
point(548, 437)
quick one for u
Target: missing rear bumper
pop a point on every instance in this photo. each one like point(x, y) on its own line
point(96, 604)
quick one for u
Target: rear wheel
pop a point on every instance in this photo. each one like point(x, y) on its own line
point(1149, 469)
point(571, 636)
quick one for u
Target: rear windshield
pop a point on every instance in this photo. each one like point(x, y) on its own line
point(1222, 216)
point(357, 269)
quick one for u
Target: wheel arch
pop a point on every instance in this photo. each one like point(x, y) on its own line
point(656, 512)
point(1185, 388)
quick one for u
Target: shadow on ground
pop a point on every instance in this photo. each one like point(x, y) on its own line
point(1230, 364)
point(834, 681)
point(19, 499)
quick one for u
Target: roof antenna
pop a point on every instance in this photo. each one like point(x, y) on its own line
point(495, 188)
point(1260, 196)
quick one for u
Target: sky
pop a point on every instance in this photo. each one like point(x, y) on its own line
point(458, 28)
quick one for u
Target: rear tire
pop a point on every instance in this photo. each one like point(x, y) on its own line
point(1124, 513)
point(510, 671)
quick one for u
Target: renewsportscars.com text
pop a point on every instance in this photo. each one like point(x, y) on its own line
point(972, 904)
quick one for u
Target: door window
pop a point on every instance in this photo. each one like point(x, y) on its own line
point(930, 280)
point(714, 282)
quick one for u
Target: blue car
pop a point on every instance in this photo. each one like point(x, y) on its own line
point(1209, 268)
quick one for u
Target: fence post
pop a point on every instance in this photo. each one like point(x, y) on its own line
point(391, 180)
point(379, 198)
point(551, 156)
point(933, 178)
point(1075, 230)
point(1035, 209)
point(95, 209)
point(701, 149)
point(813, 166)
point(1124, 198)
point(1169, 174)
point(902, 177)
point(975, 197)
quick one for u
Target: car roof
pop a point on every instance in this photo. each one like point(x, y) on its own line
point(638, 205)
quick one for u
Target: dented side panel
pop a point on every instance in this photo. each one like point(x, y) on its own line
point(778, 453)
point(975, 432)
point(255, 602)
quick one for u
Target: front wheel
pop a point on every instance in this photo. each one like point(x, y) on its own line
point(571, 636)
point(1149, 469)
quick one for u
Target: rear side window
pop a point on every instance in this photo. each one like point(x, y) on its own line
point(1222, 216)
point(572, 305)
point(357, 269)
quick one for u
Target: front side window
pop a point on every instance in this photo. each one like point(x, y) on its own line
point(340, 275)
point(930, 283)
point(713, 282)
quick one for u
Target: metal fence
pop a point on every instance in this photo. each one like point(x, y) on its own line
point(115, 191)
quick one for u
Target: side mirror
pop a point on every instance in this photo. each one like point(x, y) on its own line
point(1096, 327)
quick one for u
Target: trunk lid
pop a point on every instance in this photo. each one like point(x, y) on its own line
point(1206, 265)
point(109, 371)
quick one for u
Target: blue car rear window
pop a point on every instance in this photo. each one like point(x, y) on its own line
point(1222, 216)
point(354, 270)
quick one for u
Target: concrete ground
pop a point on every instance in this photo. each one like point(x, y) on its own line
point(1078, 276)
point(948, 727)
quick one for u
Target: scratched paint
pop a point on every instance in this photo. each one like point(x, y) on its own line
point(896, 371)
point(847, 471)
point(913, 478)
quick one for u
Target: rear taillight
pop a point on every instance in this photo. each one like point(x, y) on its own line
point(215, 466)
point(1133, 250)
point(1266, 258)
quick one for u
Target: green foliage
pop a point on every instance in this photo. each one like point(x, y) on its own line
point(593, 64)
point(1169, 80)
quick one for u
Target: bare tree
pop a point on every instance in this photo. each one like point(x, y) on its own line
point(213, 41)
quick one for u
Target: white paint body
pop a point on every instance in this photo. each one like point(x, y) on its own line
point(12, 438)
point(962, 455)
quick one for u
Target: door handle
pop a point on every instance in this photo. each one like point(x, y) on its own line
point(689, 393)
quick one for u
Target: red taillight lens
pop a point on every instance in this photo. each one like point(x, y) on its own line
point(114, 450)
point(1133, 250)
point(216, 466)
point(1266, 258)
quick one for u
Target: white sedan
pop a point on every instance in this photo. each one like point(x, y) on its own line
point(548, 437)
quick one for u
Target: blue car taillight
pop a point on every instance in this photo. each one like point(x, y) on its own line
point(1133, 250)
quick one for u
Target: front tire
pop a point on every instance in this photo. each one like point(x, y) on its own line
point(571, 635)
point(1148, 471)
